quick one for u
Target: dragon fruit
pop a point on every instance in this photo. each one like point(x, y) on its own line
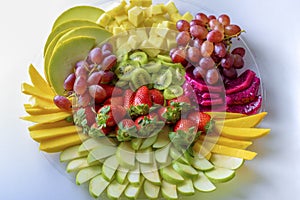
point(241, 83)
point(249, 108)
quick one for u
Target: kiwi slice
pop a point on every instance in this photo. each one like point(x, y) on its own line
point(125, 69)
point(152, 66)
point(178, 75)
point(139, 56)
point(140, 77)
point(165, 58)
point(172, 92)
point(162, 80)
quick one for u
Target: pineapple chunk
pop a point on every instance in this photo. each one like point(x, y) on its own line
point(187, 16)
point(171, 8)
point(175, 17)
point(136, 16)
point(119, 9)
point(121, 18)
point(104, 20)
point(143, 3)
point(157, 9)
point(169, 25)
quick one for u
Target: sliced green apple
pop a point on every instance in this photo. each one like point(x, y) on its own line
point(226, 161)
point(162, 154)
point(134, 175)
point(148, 142)
point(150, 172)
point(132, 191)
point(115, 189)
point(109, 167)
point(92, 143)
point(88, 13)
point(151, 190)
point(97, 186)
point(65, 57)
point(136, 143)
point(162, 139)
point(170, 175)
point(87, 174)
point(201, 164)
point(100, 153)
point(71, 153)
point(177, 156)
point(168, 190)
point(203, 184)
point(220, 175)
point(184, 170)
point(186, 188)
point(126, 155)
point(77, 164)
point(145, 156)
point(121, 174)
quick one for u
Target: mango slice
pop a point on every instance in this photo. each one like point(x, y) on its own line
point(42, 126)
point(239, 144)
point(30, 90)
point(245, 122)
point(47, 118)
point(242, 133)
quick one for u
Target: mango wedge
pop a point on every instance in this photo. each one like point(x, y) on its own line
point(39, 82)
point(47, 118)
point(31, 90)
point(245, 122)
point(226, 115)
point(46, 134)
point(242, 133)
point(239, 144)
point(42, 126)
point(41, 103)
point(61, 143)
point(40, 111)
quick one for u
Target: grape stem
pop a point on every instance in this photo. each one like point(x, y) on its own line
point(236, 35)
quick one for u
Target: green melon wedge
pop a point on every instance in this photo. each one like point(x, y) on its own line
point(65, 57)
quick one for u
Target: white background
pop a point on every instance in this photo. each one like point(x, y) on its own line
point(273, 34)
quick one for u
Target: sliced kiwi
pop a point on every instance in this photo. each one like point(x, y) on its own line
point(162, 80)
point(140, 77)
point(165, 58)
point(178, 74)
point(152, 66)
point(139, 56)
point(173, 91)
point(125, 69)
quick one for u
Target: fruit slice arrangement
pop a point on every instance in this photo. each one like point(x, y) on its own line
point(143, 102)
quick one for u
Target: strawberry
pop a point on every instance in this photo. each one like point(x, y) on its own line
point(204, 121)
point(156, 96)
point(141, 102)
point(96, 131)
point(184, 125)
point(114, 101)
point(112, 90)
point(148, 125)
point(169, 114)
point(126, 130)
point(128, 98)
point(110, 115)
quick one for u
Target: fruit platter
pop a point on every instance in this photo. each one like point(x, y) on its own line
point(145, 101)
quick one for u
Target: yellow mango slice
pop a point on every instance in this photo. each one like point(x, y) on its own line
point(42, 126)
point(39, 82)
point(41, 111)
point(239, 144)
point(46, 134)
point(47, 118)
point(226, 115)
point(31, 90)
point(38, 102)
point(245, 122)
point(61, 143)
point(242, 133)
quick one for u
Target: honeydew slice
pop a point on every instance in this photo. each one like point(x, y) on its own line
point(220, 175)
point(134, 175)
point(151, 190)
point(150, 172)
point(77, 164)
point(115, 189)
point(109, 167)
point(126, 155)
point(87, 174)
point(168, 190)
point(184, 170)
point(71, 153)
point(226, 161)
point(170, 175)
point(133, 191)
point(145, 156)
point(203, 184)
point(186, 188)
point(97, 186)
point(92, 143)
point(121, 174)
point(100, 153)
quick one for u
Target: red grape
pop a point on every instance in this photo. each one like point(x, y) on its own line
point(82, 72)
point(179, 56)
point(94, 78)
point(198, 31)
point(238, 61)
point(107, 46)
point(107, 76)
point(109, 62)
point(197, 43)
point(227, 61)
point(183, 25)
point(62, 102)
point(106, 53)
point(199, 72)
point(69, 82)
point(220, 49)
point(232, 30)
point(81, 63)
point(183, 38)
point(213, 23)
point(207, 48)
point(80, 85)
point(196, 22)
point(239, 50)
point(193, 54)
point(230, 73)
point(84, 99)
point(215, 36)
point(98, 93)
point(206, 63)
point(224, 19)
point(210, 17)
point(212, 76)
point(202, 17)
point(96, 56)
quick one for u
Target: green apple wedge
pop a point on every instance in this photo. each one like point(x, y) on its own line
point(203, 184)
point(65, 57)
point(177, 156)
point(150, 172)
point(148, 142)
point(134, 175)
point(71, 153)
point(186, 188)
point(88, 13)
point(227, 162)
point(126, 155)
point(132, 191)
point(151, 190)
point(115, 189)
point(109, 168)
point(136, 143)
point(121, 174)
point(98, 33)
point(87, 174)
point(97, 186)
point(185, 170)
point(77, 164)
point(168, 190)
point(170, 175)
point(199, 163)
point(162, 154)
point(220, 175)
point(67, 25)
point(100, 153)
point(92, 143)
point(162, 139)
point(145, 156)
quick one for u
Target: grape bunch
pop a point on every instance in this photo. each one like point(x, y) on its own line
point(88, 75)
point(204, 43)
